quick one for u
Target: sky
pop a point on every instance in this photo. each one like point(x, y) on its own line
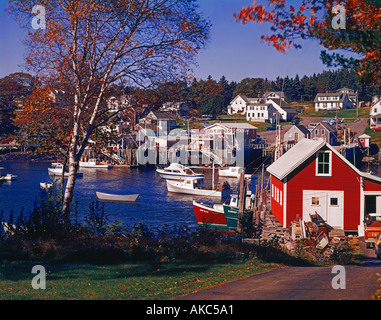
point(234, 50)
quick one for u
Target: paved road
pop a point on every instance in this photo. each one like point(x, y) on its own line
point(300, 283)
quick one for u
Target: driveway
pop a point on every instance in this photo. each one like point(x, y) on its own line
point(300, 283)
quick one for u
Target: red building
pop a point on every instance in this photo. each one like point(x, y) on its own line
point(313, 177)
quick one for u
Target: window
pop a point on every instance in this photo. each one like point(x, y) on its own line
point(322, 132)
point(315, 201)
point(334, 202)
point(323, 163)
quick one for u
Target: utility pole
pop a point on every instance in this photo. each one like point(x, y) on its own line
point(241, 200)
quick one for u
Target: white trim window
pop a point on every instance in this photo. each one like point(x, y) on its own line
point(324, 163)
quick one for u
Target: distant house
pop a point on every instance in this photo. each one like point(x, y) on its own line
point(285, 110)
point(375, 116)
point(164, 121)
point(295, 134)
point(342, 99)
point(326, 132)
point(274, 95)
point(234, 131)
point(180, 108)
point(313, 178)
point(262, 112)
point(269, 108)
point(117, 103)
point(240, 103)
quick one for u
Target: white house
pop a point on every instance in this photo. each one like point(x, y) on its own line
point(262, 112)
point(239, 104)
point(375, 116)
point(181, 108)
point(274, 95)
point(270, 108)
point(285, 110)
point(334, 101)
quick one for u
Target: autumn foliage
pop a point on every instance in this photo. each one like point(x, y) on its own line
point(313, 19)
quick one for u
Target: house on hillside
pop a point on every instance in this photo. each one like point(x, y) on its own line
point(180, 108)
point(352, 95)
point(285, 110)
point(238, 132)
point(295, 134)
point(375, 116)
point(334, 101)
point(262, 112)
point(265, 109)
point(313, 178)
point(164, 121)
point(274, 95)
point(239, 104)
point(325, 131)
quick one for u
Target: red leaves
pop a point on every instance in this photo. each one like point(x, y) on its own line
point(289, 23)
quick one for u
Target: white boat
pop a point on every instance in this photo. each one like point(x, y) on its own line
point(93, 163)
point(191, 185)
point(57, 169)
point(8, 176)
point(176, 171)
point(231, 172)
point(45, 185)
point(117, 197)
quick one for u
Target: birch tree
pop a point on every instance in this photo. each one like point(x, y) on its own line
point(88, 45)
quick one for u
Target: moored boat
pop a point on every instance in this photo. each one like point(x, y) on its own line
point(192, 186)
point(57, 168)
point(230, 172)
point(214, 216)
point(210, 216)
point(117, 197)
point(93, 163)
point(45, 185)
point(8, 176)
point(176, 171)
point(231, 211)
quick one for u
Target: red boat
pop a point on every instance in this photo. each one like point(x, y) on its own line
point(212, 216)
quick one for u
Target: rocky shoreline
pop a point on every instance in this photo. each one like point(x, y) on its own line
point(27, 156)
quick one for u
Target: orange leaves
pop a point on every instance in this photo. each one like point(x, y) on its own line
point(313, 19)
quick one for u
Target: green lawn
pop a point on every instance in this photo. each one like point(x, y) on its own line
point(161, 281)
point(346, 113)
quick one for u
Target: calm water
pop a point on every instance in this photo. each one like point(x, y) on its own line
point(155, 207)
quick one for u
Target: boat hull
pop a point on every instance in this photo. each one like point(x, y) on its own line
point(56, 172)
point(94, 166)
point(175, 176)
point(174, 187)
point(209, 216)
point(231, 216)
point(118, 198)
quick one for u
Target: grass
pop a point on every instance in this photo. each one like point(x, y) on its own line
point(345, 113)
point(131, 281)
point(375, 136)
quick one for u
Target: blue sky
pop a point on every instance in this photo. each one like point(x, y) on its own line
point(234, 50)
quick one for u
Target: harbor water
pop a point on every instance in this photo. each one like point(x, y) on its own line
point(155, 207)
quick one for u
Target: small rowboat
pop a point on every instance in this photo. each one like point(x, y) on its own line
point(117, 197)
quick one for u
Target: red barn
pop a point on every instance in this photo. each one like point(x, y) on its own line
point(313, 177)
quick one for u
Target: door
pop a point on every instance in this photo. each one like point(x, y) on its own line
point(329, 205)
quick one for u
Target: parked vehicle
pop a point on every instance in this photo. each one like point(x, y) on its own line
point(295, 121)
point(377, 246)
point(372, 228)
point(271, 127)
